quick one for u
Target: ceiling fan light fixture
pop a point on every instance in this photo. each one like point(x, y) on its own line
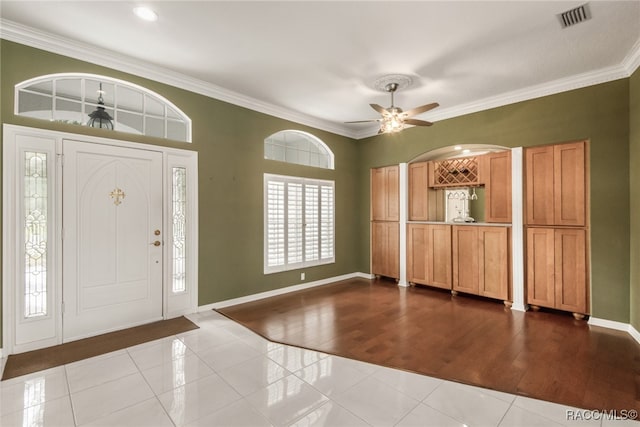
point(391, 124)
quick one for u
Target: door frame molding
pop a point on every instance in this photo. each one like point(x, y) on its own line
point(173, 305)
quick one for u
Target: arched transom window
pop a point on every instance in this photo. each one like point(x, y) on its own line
point(72, 97)
point(302, 148)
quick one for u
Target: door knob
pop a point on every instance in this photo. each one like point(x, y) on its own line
point(156, 243)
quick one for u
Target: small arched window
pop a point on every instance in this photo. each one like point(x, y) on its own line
point(72, 97)
point(302, 148)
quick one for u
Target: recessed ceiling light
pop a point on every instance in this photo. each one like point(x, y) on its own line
point(145, 13)
point(457, 147)
point(466, 151)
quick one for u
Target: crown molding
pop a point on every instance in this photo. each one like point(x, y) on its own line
point(22, 34)
point(35, 38)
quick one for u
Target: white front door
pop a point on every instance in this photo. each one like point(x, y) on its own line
point(112, 238)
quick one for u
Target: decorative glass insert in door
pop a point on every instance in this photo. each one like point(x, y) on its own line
point(35, 234)
point(179, 225)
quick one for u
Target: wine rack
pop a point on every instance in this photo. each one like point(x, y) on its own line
point(460, 172)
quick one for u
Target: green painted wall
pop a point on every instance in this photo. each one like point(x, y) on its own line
point(229, 141)
point(599, 113)
point(634, 162)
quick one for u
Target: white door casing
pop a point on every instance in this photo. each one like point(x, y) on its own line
point(112, 214)
point(177, 291)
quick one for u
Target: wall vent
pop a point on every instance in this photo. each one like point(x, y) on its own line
point(575, 16)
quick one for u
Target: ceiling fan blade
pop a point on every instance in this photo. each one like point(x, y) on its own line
point(421, 109)
point(364, 121)
point(417, 122)
point(380, 109)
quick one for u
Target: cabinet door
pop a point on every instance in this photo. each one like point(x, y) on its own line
point(494, 262)
point(541, 267)
point(385, 249)
point(418, 191)
point(378, 194)
point(465, 259)
point(393, 193)
point(385, 194)
point(569, 184)
point(417, 241)
point(570, 270)
point(497, 179)
point(539, 185)
point(439, 263)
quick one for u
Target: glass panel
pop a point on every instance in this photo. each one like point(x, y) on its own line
point(179, 208)
point(153, 106)
point(129, 122)
point(37, 106)
point(91, 92)
point(176, 130)
point(42, 87)
point(173, 114)
point(129, 99)
point(35, 234)
point(154, 127)
point(69, 89)
point(68, 112)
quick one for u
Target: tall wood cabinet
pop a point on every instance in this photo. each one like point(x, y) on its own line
point(557, 227)
point(385, 216)
point(429, 254)
point(481, 260)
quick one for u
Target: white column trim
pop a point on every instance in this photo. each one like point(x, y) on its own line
point(517, 230)
point(404, 208)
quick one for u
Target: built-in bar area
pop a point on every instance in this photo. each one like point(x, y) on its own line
point(500, 223)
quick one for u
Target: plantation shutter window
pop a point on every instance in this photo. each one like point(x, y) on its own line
point(299, 222)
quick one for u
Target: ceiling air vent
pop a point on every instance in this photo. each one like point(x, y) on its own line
point(575, 16)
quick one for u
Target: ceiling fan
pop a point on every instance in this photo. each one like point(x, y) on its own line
point(393, 118)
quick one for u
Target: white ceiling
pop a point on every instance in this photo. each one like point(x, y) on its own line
point(315, 61)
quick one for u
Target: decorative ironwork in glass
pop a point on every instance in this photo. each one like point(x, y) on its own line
point(35, 234)
point(72, 97)
point(179, 212)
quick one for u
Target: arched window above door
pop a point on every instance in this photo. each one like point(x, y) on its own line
point(302, 148)
point(72, 97)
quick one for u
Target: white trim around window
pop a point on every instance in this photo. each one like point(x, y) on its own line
point(299, 222)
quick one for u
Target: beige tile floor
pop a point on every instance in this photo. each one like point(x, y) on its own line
point(225, 375)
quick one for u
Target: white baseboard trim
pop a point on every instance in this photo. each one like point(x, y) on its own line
point(280, 291)
point(618, 326)
point(634, 333)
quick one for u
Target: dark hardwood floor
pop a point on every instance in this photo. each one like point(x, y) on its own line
point(543, 355)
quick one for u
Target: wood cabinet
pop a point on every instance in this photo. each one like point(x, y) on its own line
point(429, 255)
point(557, 269)
point(556, 185)
point(385, 249)
point(495, 172)
point(481, 261)
point(385, 192)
